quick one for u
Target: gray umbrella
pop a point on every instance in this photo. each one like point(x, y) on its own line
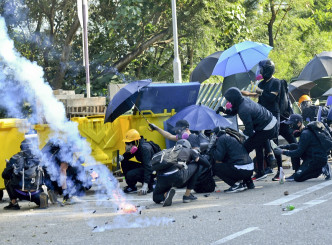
point(320, 66)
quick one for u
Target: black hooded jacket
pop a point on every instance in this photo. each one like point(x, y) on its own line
point(230, 151)
point(254, 116)
point(144, 155)
point(307, 148)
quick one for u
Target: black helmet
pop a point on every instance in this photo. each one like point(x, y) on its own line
point(267, 68)
point(184, 143)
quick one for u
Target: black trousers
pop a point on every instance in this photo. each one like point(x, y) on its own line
point(286, 132)
point(134, 172)
point(183, 177)
point(310, 168)
point(230, 174)
point(257, 143)
point(15, 192)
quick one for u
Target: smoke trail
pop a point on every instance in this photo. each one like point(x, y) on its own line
point(22, 81)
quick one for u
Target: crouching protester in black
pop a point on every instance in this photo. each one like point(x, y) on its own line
point(310, 148)
point(142, 150)
point(260, 125)
point(232, 162)
point(64, 173)
point(23, 176)
point(179, 175)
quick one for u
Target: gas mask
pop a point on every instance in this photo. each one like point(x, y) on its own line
point(258, 74)
point(229, 105)
point(305, 104)
point(131, 148)
point(182, 134)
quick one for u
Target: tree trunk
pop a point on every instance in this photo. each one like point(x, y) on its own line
point(122, 63)
point(63, 64)
point(271, 22)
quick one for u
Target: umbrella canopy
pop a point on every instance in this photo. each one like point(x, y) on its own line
point(124, 99)
point(322, 85)
point(239, 80)
point(241, 57)
point(204, 68)
point(328, 92)
point(320, 66)
point(200, 117)
point(295, 93)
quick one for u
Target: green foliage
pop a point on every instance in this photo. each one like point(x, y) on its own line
point(118, 29)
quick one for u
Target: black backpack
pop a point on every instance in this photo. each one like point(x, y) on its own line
point(27, 171)
point(205, 182)
point(322, 134)
point(284, 101)
point(155, 147)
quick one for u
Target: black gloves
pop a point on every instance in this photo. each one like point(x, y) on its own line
point(152, 126)
point(220, 109)
point(277, 151)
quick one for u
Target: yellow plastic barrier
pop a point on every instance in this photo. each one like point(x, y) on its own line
point(105, 139)
point(10, 140)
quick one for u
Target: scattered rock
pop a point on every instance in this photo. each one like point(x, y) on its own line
point(194, 216)
point(286, 193)
point(206, 195)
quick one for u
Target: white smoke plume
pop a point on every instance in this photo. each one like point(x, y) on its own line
point(23, 81)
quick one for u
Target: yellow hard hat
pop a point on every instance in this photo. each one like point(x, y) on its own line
point(132, 135)
point(304, 98)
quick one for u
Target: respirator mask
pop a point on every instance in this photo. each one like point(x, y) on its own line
point(131, 147)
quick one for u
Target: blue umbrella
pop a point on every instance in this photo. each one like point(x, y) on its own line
point(199, 117)
point(124, 100)
point(241, 57)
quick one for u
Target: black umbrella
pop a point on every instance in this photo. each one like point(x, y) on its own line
point(239, 80)
point(124, 100)
point(322, 85)
point(299, 88)
point(204, 68)
point(328, 92)
point(320, 66)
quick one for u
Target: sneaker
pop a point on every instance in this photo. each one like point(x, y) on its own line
point(12, 206)
point(190, 198)
point(276, 177)
point(129, 189)
point(326, 171)
point(237, 187)
point(259, 176)
point(249, 185)
point(169, 196)
point(271, 161)
point(52, 196)
point(290, 178)
point(43, 199)
point(268, 171)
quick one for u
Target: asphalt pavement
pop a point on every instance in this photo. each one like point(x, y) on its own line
point(249, 217)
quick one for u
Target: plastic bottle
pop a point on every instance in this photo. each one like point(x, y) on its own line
point(281, 176)
point(288, 208)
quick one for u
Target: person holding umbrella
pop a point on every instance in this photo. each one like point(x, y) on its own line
point(137, 146)
point(260, 125)
point(182, 132)
point(269, 92)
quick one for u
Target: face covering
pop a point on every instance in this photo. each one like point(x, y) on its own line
point(184, 135)
point(258, 74)
point(131, 148)
point(229, 105)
